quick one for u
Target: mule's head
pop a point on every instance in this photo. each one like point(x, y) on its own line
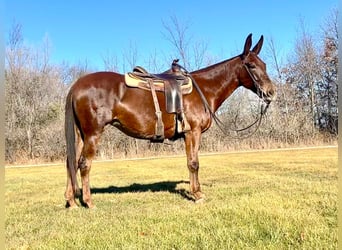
point(253, 73)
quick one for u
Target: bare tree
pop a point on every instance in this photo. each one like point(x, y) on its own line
point(328, 87)
point(304, 71)
point(155, 64)
point(312, 73)
point(111, 62)
point(130, 57)
point(34, 96)
point(192, 52)
point(176, 34)
point(274, 58)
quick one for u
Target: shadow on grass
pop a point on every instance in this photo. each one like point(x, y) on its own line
point(163, 186)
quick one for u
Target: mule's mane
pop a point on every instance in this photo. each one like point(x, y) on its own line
point(215, 65)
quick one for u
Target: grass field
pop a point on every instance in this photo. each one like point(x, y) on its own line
point(256, 200)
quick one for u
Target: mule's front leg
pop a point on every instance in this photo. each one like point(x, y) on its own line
point(192, 140)
point(195, 187)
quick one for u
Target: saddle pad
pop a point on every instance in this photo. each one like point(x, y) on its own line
point(132, 81)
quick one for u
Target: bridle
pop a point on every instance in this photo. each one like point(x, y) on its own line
point(220, 124)
point(263, 109)
point(255, 80)
point(256, 84)
point(263, 106)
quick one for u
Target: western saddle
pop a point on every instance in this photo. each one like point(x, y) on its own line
point(174, 83)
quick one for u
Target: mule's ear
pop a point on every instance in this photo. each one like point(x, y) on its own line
point(247, 46)
point(258, 46)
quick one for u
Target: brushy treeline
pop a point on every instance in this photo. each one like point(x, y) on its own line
point(305, 112)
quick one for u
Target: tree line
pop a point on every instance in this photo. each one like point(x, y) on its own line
point(305, 111)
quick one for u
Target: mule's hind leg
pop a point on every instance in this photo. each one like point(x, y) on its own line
point(85, 161)
point(69, 192)
point(79, 148)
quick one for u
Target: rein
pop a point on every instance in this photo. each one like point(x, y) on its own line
point(257, 122)
point(217, 120)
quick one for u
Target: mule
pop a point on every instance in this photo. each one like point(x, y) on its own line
point(102, 98)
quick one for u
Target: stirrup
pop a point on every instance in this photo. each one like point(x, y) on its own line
point(182, 123)
point(159, 129)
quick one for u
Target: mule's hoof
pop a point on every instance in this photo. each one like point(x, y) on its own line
point(200, 201)
point(92, 207)
point(89, 205)
point(199, 197)
point(71, 205)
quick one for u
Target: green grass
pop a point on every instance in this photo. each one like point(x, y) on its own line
point(260, 200)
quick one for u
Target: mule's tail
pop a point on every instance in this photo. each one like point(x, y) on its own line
point(70, 137)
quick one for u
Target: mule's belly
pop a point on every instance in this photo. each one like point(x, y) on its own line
point(146, 132)
point(137, 118)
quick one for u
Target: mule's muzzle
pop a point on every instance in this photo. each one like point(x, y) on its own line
point(268, 95)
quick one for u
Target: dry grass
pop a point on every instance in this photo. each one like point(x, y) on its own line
point(261, 200)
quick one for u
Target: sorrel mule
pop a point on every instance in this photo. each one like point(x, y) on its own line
point(102, 98)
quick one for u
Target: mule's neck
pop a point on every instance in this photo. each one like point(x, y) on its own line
point(219, 81)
